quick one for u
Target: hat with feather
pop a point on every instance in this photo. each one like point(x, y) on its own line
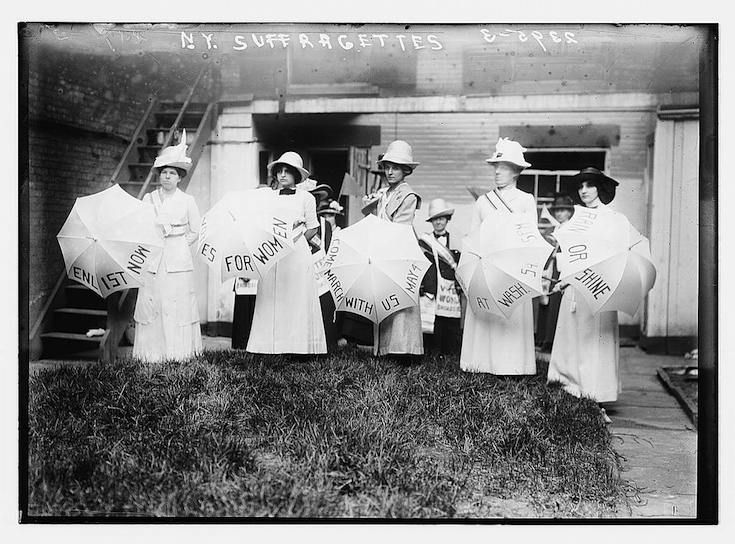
point(174, 156)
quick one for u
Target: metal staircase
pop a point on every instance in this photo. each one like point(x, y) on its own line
point(72, 309)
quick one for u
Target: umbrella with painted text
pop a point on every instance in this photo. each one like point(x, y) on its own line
point(606, 261)
point(502, 263)
point(245, 233)
point(375, 268)
point(108, 240)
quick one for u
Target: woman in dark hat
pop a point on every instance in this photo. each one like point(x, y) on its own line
point(604, 186)
point(584, 357)
point(563, 208)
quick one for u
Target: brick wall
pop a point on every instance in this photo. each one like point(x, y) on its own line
point(452, 147)
point(82, 110)
point(63, 165)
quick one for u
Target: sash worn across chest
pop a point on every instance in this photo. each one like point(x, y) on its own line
point(498, 202)
point(171, 229)
point(397, 197)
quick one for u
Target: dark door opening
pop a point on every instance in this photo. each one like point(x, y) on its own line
point(329, 166)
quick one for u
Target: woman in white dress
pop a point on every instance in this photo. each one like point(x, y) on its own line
point(166, 312)
point(584, 357)
point(287, 316)
point(494, 344)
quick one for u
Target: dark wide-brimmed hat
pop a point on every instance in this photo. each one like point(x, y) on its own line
point(605, 184)
point(332, 207)
point(322, 191)
point(562, 202)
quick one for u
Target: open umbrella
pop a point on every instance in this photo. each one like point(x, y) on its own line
point(108, 239)
point(600, 260)
point(502, 263)
point(375, 268)
point(246, 233)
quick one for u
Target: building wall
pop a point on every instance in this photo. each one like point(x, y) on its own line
point(83, 108)
point(674, 212)
point(452, 148)
point(81, 111)
point(452, 136)
point(234, 166)
point(64, 165)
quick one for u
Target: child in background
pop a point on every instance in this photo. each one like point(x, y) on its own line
point(439, 285)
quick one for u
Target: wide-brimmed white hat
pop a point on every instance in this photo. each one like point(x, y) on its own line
point(174, 155)
point(398, 152)
point(509, 151)
point(439, 208)
point(294, 160)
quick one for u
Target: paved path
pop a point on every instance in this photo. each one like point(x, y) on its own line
point(656, 439)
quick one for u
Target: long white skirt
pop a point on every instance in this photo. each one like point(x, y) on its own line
point(288, 317)
point(167, 317)
point(584, 357)
point(400, 333)
point(497, 345)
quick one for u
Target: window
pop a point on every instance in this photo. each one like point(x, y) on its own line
point(551, 171)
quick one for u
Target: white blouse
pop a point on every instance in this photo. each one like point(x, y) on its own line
point(304, 204)
point(179, 220)
point(518, 201)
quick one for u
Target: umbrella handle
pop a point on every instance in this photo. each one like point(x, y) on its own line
point(561, 288)
point(376, 338)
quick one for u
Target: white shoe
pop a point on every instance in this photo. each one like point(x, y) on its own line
point(605, 417)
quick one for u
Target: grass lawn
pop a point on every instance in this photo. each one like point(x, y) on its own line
point(345, 435)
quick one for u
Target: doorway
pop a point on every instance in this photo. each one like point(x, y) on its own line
point(329, 166)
